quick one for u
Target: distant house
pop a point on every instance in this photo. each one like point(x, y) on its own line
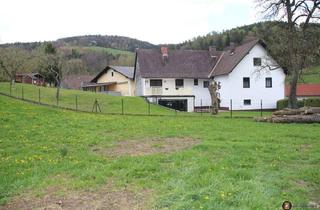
point(30, 78)
point(179, 79)
point(305, 91)
point(114, 80)
point(75, 81)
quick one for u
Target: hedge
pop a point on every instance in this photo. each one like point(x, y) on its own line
point(313, 102)
point(283, 103)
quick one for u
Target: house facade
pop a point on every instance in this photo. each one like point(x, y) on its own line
point(113, 80)
point(179, 79)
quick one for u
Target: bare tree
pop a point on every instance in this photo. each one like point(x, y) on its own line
point(295, 48)
point(12, 60)
point(52, 65)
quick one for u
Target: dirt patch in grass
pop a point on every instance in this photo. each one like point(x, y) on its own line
point(148, 146)
point(106, 198)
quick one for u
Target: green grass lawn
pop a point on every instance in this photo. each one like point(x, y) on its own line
point(311, 76)
point(84, 101)
point(239, 164)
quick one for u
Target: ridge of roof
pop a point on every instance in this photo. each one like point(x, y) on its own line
point(230, 60)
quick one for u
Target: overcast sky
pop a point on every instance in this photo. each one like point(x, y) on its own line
point(155, 21)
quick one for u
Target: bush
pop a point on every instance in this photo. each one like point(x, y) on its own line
point(283, 103)
point(314, 102)
point(63, 151)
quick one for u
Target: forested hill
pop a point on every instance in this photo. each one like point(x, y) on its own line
point(269, 31)
point(116, 42)
point(106, 41)
point(84, 54)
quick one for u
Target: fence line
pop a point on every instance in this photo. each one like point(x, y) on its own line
point(75, 106)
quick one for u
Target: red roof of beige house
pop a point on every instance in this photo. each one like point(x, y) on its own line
point(305, 90)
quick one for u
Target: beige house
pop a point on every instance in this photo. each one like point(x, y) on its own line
point(113, 80)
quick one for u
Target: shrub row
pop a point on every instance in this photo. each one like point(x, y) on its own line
point(313, 102)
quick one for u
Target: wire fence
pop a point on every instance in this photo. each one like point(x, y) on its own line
point(83, 101)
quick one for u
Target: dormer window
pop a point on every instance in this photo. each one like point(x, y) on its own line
point(257, 61)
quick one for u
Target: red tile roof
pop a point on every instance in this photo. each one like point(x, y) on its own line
point(305, 90)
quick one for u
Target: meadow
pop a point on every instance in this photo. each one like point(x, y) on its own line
point(235, 163)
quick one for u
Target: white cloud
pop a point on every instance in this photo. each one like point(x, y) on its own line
point(165, 21)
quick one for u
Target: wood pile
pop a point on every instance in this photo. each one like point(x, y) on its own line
point(301, 115)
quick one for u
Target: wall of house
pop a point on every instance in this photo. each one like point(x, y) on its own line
point(202, 95)
point(189, 89)
point(124, 85)
point(232, 84)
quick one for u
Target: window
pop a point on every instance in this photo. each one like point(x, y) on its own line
point(268, 82)
point(247, 102)
point(195, 82)
point(246, 82)
point(205, 84)
point(112, 73)
point(179, 83)
point(155, 82)
point(257, 61)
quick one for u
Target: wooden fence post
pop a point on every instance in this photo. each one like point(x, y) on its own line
point(122, 111)
point(39, 97)
point(22, 93)
point(76, 103)
point(231, 108)
point(261, 108)
point(201, 106)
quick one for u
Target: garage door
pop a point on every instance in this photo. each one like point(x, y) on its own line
point(180, 104)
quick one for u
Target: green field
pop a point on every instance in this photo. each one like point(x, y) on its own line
point(311, 76)
point(99, 49)
point(84, 101)
point(238, 163)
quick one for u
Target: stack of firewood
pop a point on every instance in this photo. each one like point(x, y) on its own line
point(301, 115)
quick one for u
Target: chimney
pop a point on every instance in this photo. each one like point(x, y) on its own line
point(232, 48)
point(213, 51)
point(164, 53)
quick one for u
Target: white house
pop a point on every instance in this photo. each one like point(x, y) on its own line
point(180, 78)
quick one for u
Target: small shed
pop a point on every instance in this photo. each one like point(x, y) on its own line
point(30, 78)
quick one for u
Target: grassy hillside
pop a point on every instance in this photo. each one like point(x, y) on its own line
point(47, 155)
point(311, 76)
point(83, 100)
point(112, 51)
